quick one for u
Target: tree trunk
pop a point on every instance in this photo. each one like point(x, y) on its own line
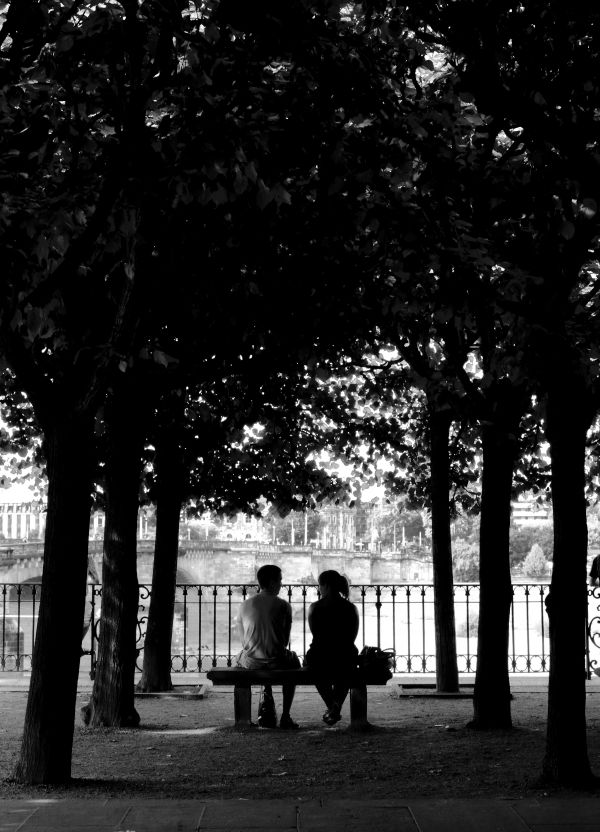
point(443, 586)
point(46, 750)
point(156, 671)
point(491, 698)
point(566, 759)
point(112, 700)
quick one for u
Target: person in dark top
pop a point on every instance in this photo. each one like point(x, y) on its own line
point(333, 622)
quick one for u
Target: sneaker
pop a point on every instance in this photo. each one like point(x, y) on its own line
point(288, 724)
point(331, 716)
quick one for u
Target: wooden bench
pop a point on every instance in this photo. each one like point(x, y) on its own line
point(242, 681)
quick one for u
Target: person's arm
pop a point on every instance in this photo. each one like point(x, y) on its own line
point(355, 622)
point(287, 624)
point(310, 618)
point(239, 624)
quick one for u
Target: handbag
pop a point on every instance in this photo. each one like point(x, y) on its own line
point(267, 715)
point(376, 664)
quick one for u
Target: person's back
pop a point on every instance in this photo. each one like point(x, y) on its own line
point(333, 622)
point(334, 627)
point(264, 625)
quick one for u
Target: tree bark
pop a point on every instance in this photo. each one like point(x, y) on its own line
point(566, 761)
point(112, 700)
point(46, 749)
point(491, 697)
point(443, 585)
point(156, 670)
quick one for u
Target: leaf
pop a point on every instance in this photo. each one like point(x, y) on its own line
point(219, 197)
point(250, 172)
point(281, 196)
point(567, 230)
point(160, 357)
point(589, 207)
point(64, 43)
point(264, 195)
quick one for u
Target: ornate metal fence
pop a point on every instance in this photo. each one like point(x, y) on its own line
point(398, 616)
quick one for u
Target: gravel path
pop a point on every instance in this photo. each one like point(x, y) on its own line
point(188, 747)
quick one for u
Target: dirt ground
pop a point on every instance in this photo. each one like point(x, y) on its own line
point(188, 747)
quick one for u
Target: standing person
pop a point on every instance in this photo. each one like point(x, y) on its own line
point(333, 622)
point(264, 623)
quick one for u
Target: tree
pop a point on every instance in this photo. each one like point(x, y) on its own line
point(168, 492)
point(522, 540)
point(285, 207)
point(74, 143)
point(535, 564)
point(548, 226)
point(127, 414)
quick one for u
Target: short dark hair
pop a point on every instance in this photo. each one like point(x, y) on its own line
point(267, 574)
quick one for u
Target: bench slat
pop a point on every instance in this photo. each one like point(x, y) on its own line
point(298, 676)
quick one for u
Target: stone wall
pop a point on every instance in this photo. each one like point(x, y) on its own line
point(220, 566)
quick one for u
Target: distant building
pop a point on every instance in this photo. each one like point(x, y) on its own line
point(22, 521)
point(530, 513)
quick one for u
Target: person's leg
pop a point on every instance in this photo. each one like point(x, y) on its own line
point(325, 691)
point(340, 692)
point(288, 690)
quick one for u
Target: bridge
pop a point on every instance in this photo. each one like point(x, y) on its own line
point(231, 561)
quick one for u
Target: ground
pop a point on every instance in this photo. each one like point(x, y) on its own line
point(187, 747)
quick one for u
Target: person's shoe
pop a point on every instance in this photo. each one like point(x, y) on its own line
point(288, 724)
point(331, 716)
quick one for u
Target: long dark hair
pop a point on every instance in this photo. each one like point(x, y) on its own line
point(335, 582)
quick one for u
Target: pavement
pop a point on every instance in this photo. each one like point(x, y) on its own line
point(420, 815)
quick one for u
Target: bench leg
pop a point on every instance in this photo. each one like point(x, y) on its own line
point(242, 706)
point(358, 709)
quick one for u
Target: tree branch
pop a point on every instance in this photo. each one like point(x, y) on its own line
point(78, 251)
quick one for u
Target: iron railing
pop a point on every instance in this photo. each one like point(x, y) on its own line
point(398, 616)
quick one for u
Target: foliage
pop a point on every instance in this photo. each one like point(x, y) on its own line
point(523, 539)
point(535, 564)
point(465, 559)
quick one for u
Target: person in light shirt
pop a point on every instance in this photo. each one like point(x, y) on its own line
point(264, 624)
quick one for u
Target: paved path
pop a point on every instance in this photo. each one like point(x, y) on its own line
point(419, 815)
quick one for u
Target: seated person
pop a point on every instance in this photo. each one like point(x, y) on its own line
point(264, 623)
point(333, 622)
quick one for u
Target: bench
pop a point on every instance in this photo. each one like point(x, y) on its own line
point(242, 681)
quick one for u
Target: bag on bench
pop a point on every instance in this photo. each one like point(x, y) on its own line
point(376, 664)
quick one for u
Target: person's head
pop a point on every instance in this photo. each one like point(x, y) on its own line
point(269, 578)
point(332, 583)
